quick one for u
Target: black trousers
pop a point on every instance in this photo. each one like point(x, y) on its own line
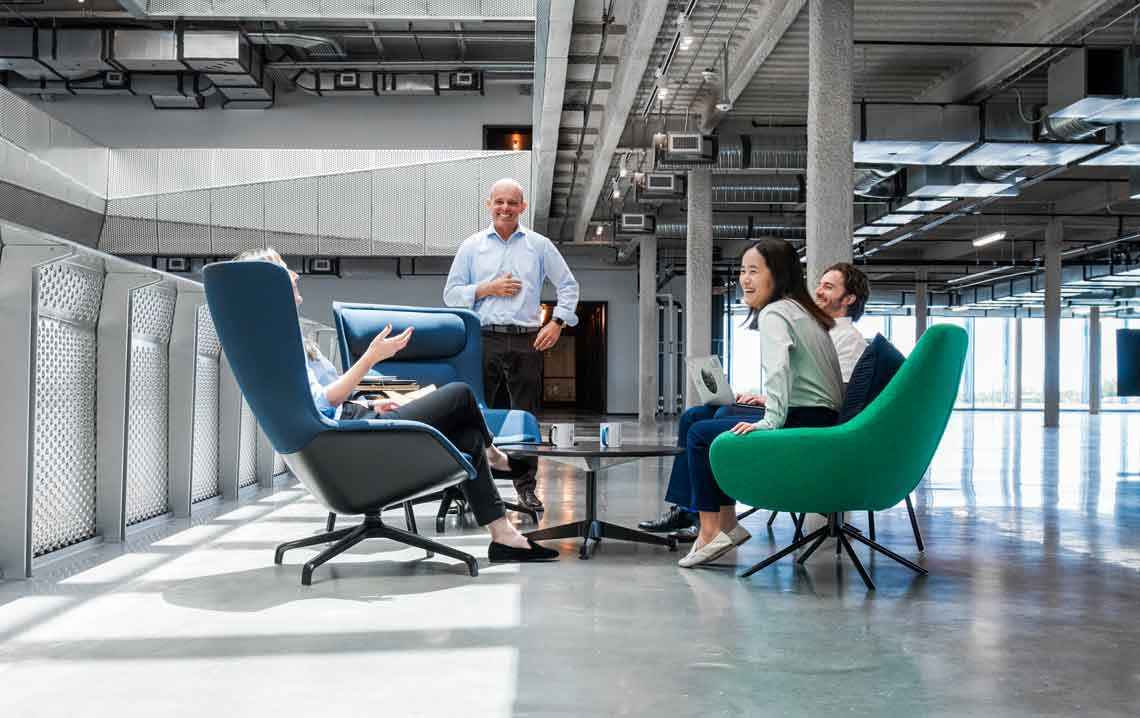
point(452, 410)
point(512, 360)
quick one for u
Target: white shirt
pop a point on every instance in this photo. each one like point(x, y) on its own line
point(800, 363)
point(849, 345)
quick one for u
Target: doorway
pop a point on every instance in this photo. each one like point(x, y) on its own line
point(574, 370)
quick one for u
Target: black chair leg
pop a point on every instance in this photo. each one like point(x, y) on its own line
point(807, 554)
point(780, 554)
point(871, 524)
point(330, 523)
point(353, 537)
point(279, 554)
point(383, 531)
point(855, 560)
point(798, 520)
point(913, 525)
point(410, 521)
point(746, 514)
point(772, 518)
point(441, 516)
point(887, 552)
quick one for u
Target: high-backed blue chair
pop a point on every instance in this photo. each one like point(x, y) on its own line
point(446, 346)
point(353, 467)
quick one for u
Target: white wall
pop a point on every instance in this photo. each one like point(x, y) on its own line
point(599, 282)
point(299, 120)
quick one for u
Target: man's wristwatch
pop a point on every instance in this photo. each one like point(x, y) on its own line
point(559, 322)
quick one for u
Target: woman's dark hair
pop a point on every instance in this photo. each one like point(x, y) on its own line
point(787, 280)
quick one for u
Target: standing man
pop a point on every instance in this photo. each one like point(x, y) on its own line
point(843, 292)
point(499, 272)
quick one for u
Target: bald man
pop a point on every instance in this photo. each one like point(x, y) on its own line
point(499, 272)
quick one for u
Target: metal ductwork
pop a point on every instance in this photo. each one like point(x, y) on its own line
point(315, 44)
point(869, 178)
point(768, 189)
point(751, 230)
point(365, 82)
point(184, 66)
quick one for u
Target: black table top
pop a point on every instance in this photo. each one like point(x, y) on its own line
point(591, 449)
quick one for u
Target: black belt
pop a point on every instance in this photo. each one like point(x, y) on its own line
point(509, 329)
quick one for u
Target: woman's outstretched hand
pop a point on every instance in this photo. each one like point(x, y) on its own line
point(385, 347)
point(743, 428)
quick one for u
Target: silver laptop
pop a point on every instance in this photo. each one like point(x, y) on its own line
point(712, 385)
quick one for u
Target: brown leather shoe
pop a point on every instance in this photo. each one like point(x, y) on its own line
point(529, 500)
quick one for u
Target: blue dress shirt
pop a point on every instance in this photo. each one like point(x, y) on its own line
point(529, 257)
point(321, 374)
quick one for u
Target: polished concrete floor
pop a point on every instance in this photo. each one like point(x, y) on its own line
point(1031, 609)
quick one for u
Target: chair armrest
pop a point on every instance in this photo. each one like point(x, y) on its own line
point(512, 426)
point(379, 425)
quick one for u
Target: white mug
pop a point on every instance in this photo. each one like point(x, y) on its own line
point(609, 435)
point(562, 435)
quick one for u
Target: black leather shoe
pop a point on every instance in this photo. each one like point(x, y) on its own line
point(676, 518)
point(498, 553)
point(688, 535)
point(529, 500)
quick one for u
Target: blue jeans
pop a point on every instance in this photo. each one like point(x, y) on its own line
point(680, 491)
point(704, 492)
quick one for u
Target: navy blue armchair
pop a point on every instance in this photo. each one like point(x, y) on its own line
point(446, 346)
point(352, 467)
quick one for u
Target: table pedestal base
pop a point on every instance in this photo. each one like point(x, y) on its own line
point(591, 529)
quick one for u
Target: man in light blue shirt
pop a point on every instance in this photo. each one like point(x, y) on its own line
point(499, 272)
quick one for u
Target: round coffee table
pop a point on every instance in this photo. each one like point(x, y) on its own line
point(593, 458)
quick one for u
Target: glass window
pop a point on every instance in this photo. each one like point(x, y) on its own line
point(1033, 363)
point(872, 325)
point(965, 395)
point(902, 334)
point(1074, 362)
point(993, 354)
point(745, 371)
point(1109, 398)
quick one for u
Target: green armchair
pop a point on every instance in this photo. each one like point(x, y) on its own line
point(871, 463)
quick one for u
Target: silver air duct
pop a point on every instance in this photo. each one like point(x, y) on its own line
point(868, 177)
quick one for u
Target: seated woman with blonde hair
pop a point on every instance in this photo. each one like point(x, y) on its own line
point(451, 409)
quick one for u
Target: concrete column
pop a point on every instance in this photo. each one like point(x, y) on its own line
point(1094, 360)
point(1053, 236)
point(920, 308)
point(698, 272)
point(830, 166)
point(647, 332)
point(1017, 364)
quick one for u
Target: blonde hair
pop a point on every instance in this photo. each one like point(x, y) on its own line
point(269, 254)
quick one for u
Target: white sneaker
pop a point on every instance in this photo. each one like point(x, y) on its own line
point(719, 546)
point(739, 535)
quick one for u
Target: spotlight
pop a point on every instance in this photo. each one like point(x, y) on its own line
point(623, 166)
point(599, 231)
point(662, 91)
point(709, 75)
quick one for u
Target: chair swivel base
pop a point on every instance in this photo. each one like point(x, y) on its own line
point(842, 534)
point(452, 501)
point(373, 527)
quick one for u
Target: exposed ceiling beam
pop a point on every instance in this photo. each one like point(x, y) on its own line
point(553, 39)
point(757, 46)
point(1055, 21)
point(135, 8)
point(644, 21)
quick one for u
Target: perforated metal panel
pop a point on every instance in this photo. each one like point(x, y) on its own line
point(279, 464)
point(344, 214)
point(454, 208)
point(398, 201)
point(237, 216)
point(508, 8)
point(291, 164)
point(291, 216)
point(183, 170)
point(132, 172)
point(234, 167)
point(63, 426)
point(453, 8)
point(15, 119)
point(130, 226)
point(204, 477)
point(147, 456)
point(340, 161)
point(247, 458)
point(184, 222)
point(516, 166)
point(402, 8)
